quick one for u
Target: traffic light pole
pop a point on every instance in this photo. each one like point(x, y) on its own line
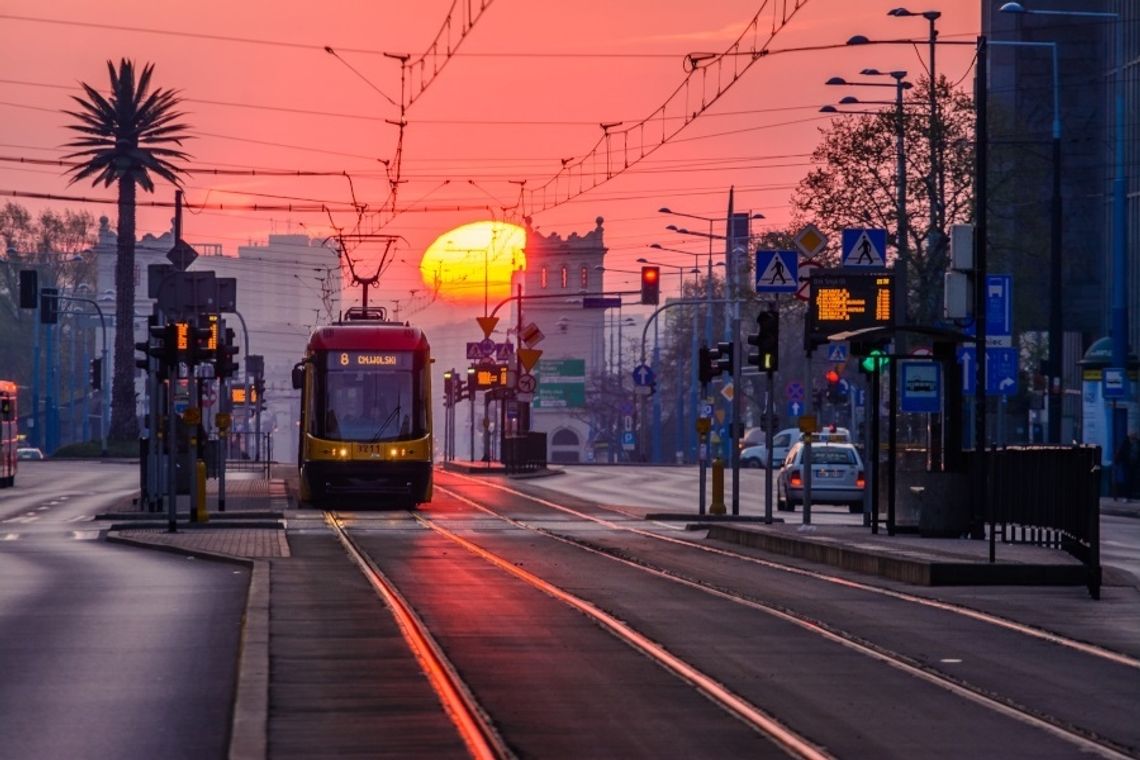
point(737, 395)
point(769, 423)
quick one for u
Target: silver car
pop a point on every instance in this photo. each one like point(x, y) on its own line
point(837, 476)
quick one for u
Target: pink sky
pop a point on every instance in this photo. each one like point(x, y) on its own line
point(483, 122)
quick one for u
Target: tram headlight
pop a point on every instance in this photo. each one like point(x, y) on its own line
point(343, 452)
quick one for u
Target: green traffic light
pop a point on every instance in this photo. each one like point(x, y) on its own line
point(877, 359)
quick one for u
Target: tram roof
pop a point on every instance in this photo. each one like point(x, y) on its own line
point(391, 336)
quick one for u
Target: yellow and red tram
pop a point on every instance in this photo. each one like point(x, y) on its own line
point(365, 415)
point(8, 435)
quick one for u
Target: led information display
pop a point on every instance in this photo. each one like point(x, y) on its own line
point(488, 376)
point(843, 301)
point(374, 360)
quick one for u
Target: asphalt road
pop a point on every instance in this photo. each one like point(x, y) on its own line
point(107, 651)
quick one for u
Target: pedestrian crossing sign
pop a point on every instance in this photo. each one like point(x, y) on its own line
point(777, 272)
point(864, 248)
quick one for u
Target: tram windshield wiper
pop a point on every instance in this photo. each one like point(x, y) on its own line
point(394, 414)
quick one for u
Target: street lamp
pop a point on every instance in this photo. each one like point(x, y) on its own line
point(900, 85)
point(1118, 328)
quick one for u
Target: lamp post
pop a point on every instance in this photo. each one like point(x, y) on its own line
point(1118, 325)
point(1056, 383)
point(937, 185)
point(900, 85)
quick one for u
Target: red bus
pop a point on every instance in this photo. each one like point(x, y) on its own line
point(8, 424)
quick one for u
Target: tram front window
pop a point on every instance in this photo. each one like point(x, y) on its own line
point(369, 404)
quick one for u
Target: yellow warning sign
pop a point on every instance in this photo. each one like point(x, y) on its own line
point(192, 416)
point(487, 324)
point(528, 357)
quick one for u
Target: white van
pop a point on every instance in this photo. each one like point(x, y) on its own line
point(757, 456)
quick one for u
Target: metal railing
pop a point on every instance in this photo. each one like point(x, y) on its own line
point(245, 455)
point(524, 453)
point(1049, 496)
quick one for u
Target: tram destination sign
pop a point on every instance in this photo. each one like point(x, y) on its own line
point(844, 301)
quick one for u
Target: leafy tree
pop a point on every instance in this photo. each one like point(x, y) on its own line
point(126, 137)
point(854, 184)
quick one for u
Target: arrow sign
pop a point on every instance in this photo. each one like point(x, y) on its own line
point(643, 375)
point(795, 408)
point(528, 357)
point(487, 324)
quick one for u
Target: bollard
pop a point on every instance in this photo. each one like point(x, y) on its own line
point(717, 506)
point(201, 514)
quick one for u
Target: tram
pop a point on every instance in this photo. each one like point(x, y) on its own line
point(8, 438)
point(365, 425)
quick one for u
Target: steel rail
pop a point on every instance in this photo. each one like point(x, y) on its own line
point(476, 731)
point(984, 617)
point(1086, 741)
point(768, 725)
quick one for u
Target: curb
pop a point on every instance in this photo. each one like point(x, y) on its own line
point(907, 570)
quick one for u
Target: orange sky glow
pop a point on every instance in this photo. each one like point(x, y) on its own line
point(530, 88)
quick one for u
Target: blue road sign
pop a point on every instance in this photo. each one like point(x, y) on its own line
point(844, 387)
point(1115, 383)
point(1001, 370)
point(643, 375)
point(999, 305)
point(921, 386)
point(794, 392)
point(860, 397)
point(474, 351)
point(864, 248)
point(795, 408)
point(837, 352)
point(777, 272)
point(504, 351)
point(627, 440)
point(487, 346)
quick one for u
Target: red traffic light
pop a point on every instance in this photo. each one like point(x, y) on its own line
point(650, 285)
point(832, 376)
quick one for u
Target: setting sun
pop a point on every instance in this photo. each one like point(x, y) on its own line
point(474, 262)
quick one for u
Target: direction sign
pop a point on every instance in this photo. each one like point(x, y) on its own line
point(1115, 383)
point(795, 408)
point(810, 240)
point(777, 272)
point(1001, 370)
point(837, 352)
point(794, 392)
point(921, 386)
point(643, 375)
point(865, 248)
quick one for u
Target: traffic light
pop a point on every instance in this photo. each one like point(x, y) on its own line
point(29, 288)
point(97, 374)
point(224, 364)
point(200, 343)
point(163, 345)
point(705, 365)
point(723, 358)
point(874, 353)
point(833, 393)
point(259, 395)
point(49, 306)
point(448, 387)
point(767, 342)
point(651, 285)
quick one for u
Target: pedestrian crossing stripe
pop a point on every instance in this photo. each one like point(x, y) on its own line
point(777, 272)
point(864, 248)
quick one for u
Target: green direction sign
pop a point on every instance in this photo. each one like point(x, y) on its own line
point(561, 384)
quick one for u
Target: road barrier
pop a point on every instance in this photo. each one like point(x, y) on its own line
point(1049, 496)
point(524, 453)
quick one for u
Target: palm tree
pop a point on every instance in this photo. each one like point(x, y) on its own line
point(126, 136)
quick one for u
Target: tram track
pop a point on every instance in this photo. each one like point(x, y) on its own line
point(1081, 738)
